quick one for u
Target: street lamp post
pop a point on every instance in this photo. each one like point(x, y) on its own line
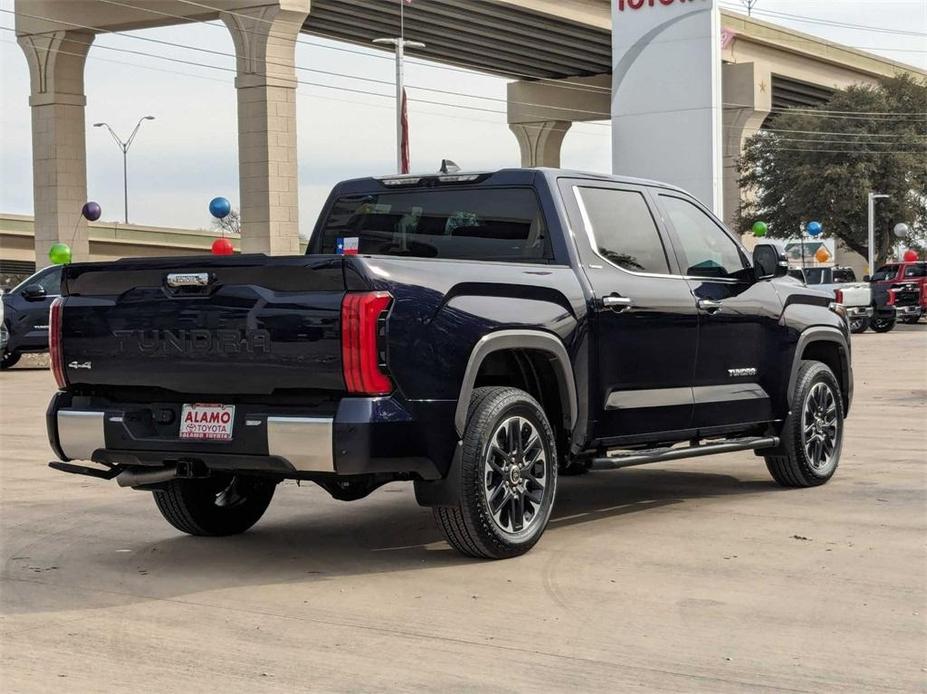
point(124, 146)
point(400, 44)
point(872, 198)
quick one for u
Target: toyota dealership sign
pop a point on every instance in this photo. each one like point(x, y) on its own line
point(666, 93)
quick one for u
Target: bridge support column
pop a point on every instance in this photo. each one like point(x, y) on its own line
point(747, 96)
point(540, 112)
point(265, 45)
point(59, 153)
point(540, 142)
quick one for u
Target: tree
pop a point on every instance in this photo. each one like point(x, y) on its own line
point(820, 164)
point(229, 224)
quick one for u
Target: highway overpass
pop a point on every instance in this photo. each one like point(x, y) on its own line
point(556, 52)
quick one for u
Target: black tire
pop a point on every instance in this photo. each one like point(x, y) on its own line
point(9, 359)
point(795, 463)
point(859, 324)
point(487, 476)
point(215, 506)
point(882, 325)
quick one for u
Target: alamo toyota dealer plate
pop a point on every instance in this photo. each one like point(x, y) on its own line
point(207, 421)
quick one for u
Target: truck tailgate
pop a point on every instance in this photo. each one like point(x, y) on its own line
point(242, 325)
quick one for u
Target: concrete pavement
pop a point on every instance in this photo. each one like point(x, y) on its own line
point(699, 575)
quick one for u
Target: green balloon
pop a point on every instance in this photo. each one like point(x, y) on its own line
point(60, 254)
point(760, 228)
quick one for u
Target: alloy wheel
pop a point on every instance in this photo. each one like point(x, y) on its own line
point(820, 427)
point(515, 476)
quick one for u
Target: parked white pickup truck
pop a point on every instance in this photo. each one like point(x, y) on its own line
point(855, 296)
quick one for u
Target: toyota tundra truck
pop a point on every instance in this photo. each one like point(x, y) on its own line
point(475, 334)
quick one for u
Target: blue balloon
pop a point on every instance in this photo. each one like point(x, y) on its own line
point(219, 207)
point(814, 228)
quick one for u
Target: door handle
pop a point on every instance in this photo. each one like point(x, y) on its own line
point(618, 304)
point(709, 305)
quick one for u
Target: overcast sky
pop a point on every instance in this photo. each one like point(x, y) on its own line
point(189, 153)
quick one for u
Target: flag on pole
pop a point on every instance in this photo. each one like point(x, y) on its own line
point(405, 134)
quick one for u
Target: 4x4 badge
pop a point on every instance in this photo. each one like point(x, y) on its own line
point(80, 365)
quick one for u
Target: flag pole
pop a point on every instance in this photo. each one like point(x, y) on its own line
point(400, 45)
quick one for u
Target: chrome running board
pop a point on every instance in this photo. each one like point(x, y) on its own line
point(622, 459)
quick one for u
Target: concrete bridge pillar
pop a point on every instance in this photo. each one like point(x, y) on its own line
point(265, 45)
point(747, 96)
point(540, 142)
point(540, 112)
point(59, 154)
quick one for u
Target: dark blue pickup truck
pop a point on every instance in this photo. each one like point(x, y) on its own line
point(475, 334)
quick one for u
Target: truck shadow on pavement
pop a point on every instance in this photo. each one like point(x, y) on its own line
point(302, 543)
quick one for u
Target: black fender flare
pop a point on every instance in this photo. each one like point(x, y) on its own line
point(823, 334)
point(446, 491)
point(536, 340)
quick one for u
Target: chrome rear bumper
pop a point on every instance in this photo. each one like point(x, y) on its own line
point(303, 442)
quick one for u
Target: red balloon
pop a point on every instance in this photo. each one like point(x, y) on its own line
point(222, 246)
point(910, 256)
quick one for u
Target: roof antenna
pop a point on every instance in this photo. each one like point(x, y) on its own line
point(447, 166)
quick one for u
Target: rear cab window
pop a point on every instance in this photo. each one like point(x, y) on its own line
point(477, 223)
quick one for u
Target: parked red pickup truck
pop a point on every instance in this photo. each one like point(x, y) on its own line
point(904, 284)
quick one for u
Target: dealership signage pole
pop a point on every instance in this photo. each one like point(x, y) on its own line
point(666, 94)
point(401, 44)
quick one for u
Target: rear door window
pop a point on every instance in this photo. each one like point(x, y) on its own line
point(919, 270)
point(622, 229)
point(501, 224)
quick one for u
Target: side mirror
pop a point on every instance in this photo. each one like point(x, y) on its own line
point(867, 278)
point(769, 261)
point(33, 292)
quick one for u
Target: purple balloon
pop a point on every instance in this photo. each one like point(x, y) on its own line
point(91, 211)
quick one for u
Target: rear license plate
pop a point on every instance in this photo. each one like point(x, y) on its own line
point(207, 421)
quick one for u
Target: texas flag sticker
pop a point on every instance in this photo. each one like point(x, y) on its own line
point(347, 246)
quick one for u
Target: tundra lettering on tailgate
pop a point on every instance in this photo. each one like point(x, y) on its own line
point(224, 341)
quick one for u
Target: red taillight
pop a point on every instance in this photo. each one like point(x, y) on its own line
point(838, 296)
point(360, 350)
point(55, 354)
point(890, 301)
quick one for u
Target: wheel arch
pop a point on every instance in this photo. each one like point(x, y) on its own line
point(538, 342)
point(831, 347)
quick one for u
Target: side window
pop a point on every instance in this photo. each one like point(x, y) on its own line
point(706, 249)
point(622, 229)
point(844, 274)
point(51, 282)
point(919, 270)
